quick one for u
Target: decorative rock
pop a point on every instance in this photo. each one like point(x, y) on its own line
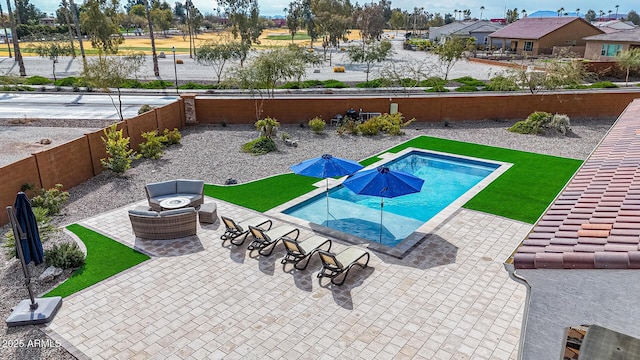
point(45, 141)
point(50, 273)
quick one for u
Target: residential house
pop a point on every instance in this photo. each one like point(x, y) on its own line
point(437, 32)
point(605, 47)
point(478, 30)
point(612, 26)
point(535, 36)
point(580, 263)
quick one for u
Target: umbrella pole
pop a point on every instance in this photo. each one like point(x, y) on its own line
point(381, 212)
point(327, 192)
point(18, 235)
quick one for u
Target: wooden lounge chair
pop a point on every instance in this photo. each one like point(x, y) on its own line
point(298, 251)
point(235, 230)
point(263, 239)
point(333, 265)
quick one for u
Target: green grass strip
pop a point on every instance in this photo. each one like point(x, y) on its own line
point(522, 193)
point(298, 36)
point(264, 194)
point(105, 258)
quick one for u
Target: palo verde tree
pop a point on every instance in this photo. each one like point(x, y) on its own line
point(217, 55)
point(451, 51)
point(107, 73)
point(370, 53)
point(53, 50)
point(629, 60)
point(98, 20)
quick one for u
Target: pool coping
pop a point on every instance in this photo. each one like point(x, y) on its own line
point(403, 248)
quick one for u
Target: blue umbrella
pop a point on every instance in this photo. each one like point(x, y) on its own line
point(385, 183)
point(324, 167)
point(31, 244)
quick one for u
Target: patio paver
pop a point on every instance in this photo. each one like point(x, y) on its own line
point(448, 298)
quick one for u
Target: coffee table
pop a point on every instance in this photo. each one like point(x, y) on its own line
point(175, 202)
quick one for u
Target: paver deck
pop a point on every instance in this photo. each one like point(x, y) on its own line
point(449, 298)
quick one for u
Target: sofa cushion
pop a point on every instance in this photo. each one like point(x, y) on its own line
point(177, 211)
point(143, 213)
point(189, 186)
point(161, 188)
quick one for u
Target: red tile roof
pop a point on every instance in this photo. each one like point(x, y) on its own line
point(595, 221)
point(533, 28)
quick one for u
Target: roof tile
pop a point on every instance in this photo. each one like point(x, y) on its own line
point(611, 260)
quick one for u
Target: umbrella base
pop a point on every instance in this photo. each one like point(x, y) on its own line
point(23, 315)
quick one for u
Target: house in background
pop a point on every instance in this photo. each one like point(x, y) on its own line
point(536, 36)
point(613, 25)
point(437, 32)
point(478, 30)
point(605, 47)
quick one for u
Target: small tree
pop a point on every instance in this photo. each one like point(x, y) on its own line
point(218, 54)
point(629, 60)
point(451, 51)
point(108, 72)
point(369, 54)
point(53, 50)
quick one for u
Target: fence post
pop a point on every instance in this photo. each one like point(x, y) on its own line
point(189, 108)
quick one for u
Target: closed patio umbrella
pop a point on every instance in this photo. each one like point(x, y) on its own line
point(324, 167)
point(385, 183)
point(29, 248)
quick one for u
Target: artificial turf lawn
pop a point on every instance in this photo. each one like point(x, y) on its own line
point(105, 258)
point(522, 193)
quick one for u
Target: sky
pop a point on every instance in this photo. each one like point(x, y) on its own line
point(492, 8)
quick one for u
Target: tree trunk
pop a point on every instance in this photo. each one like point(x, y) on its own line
point(14, 36)
point(68, 19)
point(6, 37)
point(78, 32)
point(156, 70)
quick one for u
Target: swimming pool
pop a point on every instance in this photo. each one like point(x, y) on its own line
point(446, 178)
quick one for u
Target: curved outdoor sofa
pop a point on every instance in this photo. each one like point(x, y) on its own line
point(164, 225)
point(191, 189)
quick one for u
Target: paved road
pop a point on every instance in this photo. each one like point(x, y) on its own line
point(74, 106)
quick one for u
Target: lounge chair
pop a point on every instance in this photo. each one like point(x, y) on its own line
point(335, 264)
point(298, 251)
point(263, 239)
point(235, 230)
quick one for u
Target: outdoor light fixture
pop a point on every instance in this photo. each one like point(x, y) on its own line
point(175, 69)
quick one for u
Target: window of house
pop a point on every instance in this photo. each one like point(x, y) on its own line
point(611, 49)
point(528, 46)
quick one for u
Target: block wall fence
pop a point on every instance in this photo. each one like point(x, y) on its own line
point(78, 160)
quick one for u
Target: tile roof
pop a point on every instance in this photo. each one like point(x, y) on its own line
point(533, 28)
point(478, 27)
point(632, 35)
point(595, 221)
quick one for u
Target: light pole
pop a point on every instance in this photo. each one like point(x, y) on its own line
point(175, 69)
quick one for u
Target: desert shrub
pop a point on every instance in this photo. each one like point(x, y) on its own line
point(317, 125)
point(433, 82)
point(348, 126)
point(386, 123)
point(267, 127)
point(37, 80)
point(144, 108)
point(285, 136)
point(312, 83)
point(334, 84)
point(408, 82)
point(468, 80)
point(131, 84)
point(370, 127)
point(501, 83)
point(260, 146)
point(195, 86)
point(154, 146)
point(119, 155)
point(603, 85)
point(338, 69)
point(467, 88)
point(533, 124)
point(68, 81)
point(179, 61)
point(292, 85)
point(65, 256)
point(172, 136)
point(376, 83)
point(157, 84)
point(561, 123)
point(51, 200)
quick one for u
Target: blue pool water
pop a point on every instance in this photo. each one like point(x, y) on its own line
point(445, 179)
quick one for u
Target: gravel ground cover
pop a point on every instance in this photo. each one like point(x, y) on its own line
point(212, 153)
